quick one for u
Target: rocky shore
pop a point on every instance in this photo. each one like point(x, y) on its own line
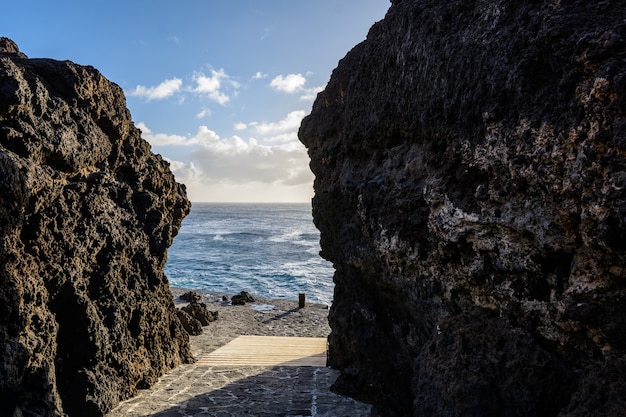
point(263, 317)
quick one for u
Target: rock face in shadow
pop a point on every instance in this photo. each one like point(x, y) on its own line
point(470, 163)
point(87, 213)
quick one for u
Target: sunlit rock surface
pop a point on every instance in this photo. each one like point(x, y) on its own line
point(470, 162)
point(87, 213)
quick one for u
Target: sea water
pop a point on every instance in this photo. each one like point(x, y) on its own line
point(268, 250)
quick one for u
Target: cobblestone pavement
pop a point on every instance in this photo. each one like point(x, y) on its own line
point(251, 391)
point(224, 391)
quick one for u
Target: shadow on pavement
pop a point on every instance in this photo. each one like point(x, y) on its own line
point(278, 391)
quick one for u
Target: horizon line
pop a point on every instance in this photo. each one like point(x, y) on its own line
point(249, 202)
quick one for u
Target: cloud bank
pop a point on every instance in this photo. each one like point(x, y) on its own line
point(274, 159)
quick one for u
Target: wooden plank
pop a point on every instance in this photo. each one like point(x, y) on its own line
point(268, 351)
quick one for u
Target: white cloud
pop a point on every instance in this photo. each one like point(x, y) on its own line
point(259, 76)
point(310, 94)
point(185, 172)
point(145, 130)
point(163, 139)
point(290, 83)
point(240, 126)
point(237, 161)
point(290, 123)
point(161, 91)
point(201, 187)
point(272, 167)
point(204, 113)
point(205, 136)
point(288, 137)
point(212, 86)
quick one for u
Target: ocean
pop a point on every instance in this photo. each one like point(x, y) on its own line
point(268, 250)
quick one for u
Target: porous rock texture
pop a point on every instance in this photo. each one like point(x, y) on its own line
point(470, 190)
point(87, 213)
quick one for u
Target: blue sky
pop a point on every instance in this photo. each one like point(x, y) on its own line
point(218, 87)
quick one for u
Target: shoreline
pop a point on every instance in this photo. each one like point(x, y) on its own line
point(217, 297)
point(263, 317)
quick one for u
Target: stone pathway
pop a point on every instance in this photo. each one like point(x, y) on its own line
point(243, 390)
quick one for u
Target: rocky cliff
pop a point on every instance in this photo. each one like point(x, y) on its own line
point(87, 213)
point(470, 190)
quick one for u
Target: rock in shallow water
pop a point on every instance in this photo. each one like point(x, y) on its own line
point(470, 191)
point(87, 213)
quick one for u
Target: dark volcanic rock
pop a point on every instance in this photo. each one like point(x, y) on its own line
point(200, 312)
point(470, 162)
point(87, 213)
point(190, 323)
point(242, 298)
point(191, 297)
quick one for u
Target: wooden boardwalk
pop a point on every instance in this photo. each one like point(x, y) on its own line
point(268, 351)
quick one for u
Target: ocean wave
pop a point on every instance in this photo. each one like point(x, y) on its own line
point(270, 250)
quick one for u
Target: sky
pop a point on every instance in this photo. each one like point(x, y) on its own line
point(218, 88)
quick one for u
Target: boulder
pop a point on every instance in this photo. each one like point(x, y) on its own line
point(470, 190)
point(87, 213)
point(192, 325)
point(242, 298)
point(200, 312)
point(191, 296)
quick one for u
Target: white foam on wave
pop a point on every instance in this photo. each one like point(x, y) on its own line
point(271, 251)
